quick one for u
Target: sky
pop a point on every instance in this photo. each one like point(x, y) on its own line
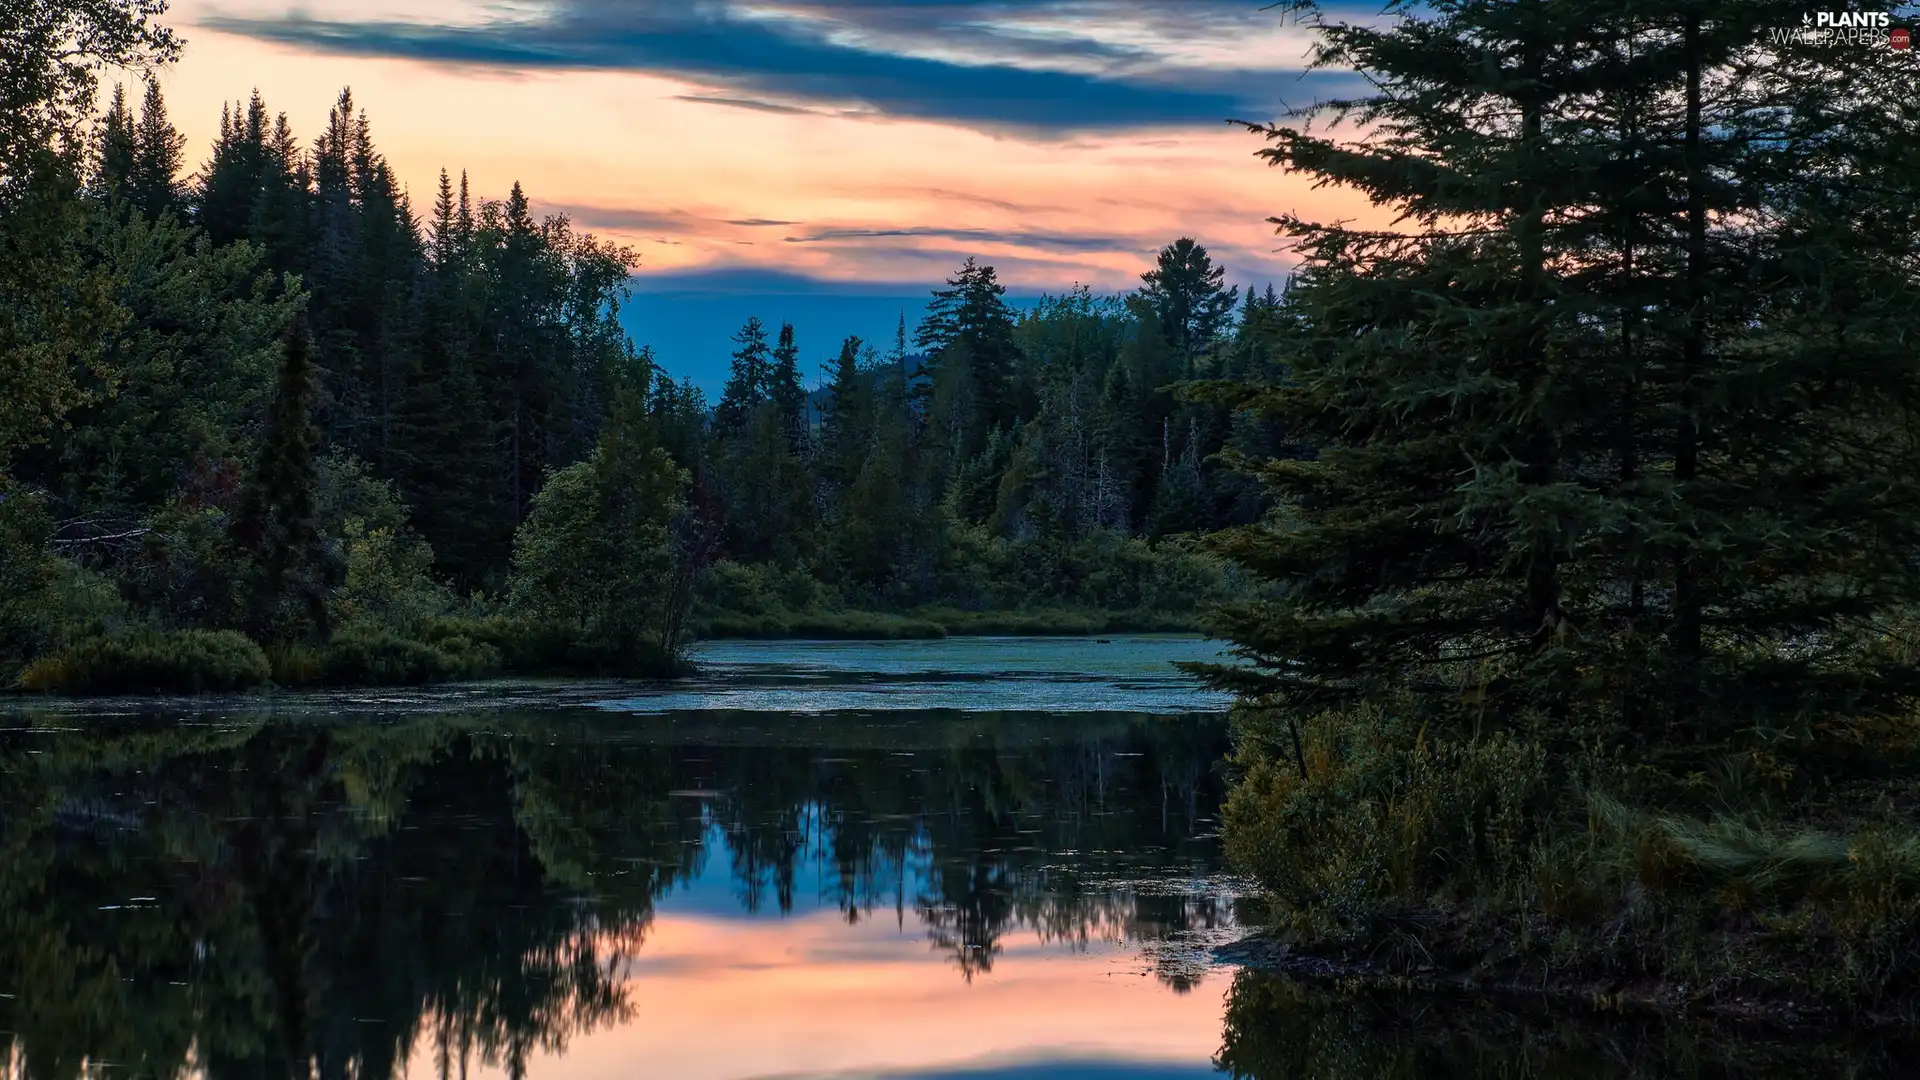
point(824, 162)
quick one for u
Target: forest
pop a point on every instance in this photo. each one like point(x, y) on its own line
point(1565, 522)
point(269, 422)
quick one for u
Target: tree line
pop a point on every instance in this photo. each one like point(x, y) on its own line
point(270, 397)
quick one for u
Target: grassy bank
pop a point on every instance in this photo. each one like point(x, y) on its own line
point(1515, 860)
point(157, 661)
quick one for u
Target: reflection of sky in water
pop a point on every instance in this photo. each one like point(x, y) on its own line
point(721, 992)
point(1129, 674)
point(897, 888)
point(813, 998)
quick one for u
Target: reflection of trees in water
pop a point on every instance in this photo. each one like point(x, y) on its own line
point(295, 899)
point(1052, 834)
point(1278, 1028)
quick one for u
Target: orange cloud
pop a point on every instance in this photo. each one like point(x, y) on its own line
point(654, 162)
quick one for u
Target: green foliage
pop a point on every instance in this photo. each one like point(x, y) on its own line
point(288, 572)
point(54, 53)
point(56, 311)
point(373, 656)
point(1584, 438)
point(388, 575)
point(595, 551)
point(148, 661)
point(46, 601)
point(195, 364)
point(1392, 842)
point(1345, 817)
point(183, 565)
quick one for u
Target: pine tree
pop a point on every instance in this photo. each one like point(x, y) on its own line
point(154, 183)
point(846, 430)
point(747, 381)
point(1190, 299)
point(274, 526)
point(445, 234)
point(971, 312)
point(114, 147)
point(788, 397)
point(1580, 442)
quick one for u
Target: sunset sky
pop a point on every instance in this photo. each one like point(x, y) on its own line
point(819, 161)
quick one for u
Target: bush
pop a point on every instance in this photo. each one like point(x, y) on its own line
point(46, 601)
point(529, 646)
point(373, 656)
point(151, 662)
point(1384, 817)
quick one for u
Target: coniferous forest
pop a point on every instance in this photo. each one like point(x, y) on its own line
point(1567, 523)
point(267, 395)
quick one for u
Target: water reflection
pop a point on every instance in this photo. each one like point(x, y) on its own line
point(1277, 1029)
point(287, 896)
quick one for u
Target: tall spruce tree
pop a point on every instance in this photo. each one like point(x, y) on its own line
point(747, 381)
point(154, 182)
point(114, 147)
point(1189, 295)
point(972, 314)
point(846, 430)
point(784, 391)
point(288, 571)
point(1584, 446)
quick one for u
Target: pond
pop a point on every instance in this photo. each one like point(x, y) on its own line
point(968, 858)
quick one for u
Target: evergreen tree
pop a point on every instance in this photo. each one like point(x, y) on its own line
point(153, 183)
point(1581, 447)
point(747, 381)
point(445, 232)
point(1190, 299)
point(784, 391)
point(846, 429)
point(114, 148)
point(274, 526)
point(971, 313)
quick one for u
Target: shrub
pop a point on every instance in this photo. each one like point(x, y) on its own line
point(45, 601)
point(374, 656)
point(1385, 817)
point(151, 662)
point(530, 646)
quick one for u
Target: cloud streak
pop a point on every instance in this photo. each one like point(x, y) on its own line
point(1024, 65)
point(1068, 243)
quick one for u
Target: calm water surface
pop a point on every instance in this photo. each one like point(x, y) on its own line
point(995, 857)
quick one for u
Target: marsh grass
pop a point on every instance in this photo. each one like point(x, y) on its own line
point(151, 661)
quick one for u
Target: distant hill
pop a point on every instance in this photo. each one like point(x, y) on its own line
point(691, 332)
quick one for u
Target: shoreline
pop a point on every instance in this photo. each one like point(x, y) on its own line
point(13, 696)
